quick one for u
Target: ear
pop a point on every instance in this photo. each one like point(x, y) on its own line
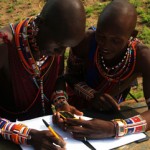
point(134, 33)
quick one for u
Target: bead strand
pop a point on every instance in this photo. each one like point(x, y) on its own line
point(59, 98)
point(84, 90)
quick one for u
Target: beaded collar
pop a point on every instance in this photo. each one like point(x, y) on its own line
point(123, 69)
point(25, 33)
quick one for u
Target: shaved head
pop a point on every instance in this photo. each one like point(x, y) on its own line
point(115, 27)
point(119, 12)
point(64, 18)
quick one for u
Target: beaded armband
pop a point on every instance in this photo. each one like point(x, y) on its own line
point(59, 98)
point(131, 125)
point(17, 133)
point(84, 90)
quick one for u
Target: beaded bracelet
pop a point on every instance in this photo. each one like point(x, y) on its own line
point(59, 98)
point(17, 133)
point(136, 124)
point(131, 125)
point(84, 90)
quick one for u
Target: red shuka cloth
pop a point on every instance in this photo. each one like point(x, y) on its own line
point(25, 90)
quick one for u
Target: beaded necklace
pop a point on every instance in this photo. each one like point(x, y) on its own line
point(25, 33)
point(123, 69)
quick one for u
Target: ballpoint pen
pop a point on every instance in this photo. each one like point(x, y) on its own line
point(88, 144)
point(51, 129)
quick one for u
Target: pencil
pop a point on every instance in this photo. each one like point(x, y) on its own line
point(50, 129)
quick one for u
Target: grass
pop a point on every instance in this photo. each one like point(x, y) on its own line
point(10, 9)
point(145, 35)
point(137, 93)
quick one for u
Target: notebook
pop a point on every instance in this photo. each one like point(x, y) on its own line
point(72, 144)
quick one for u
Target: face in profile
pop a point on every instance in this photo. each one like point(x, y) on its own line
point(55, 43)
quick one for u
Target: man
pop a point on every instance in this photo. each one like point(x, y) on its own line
point(30, 63)
point(102, 66)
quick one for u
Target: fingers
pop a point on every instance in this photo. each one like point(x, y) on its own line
point(75, 111)
point(50, 138)
point(77, 122)
point(59, 142)
point(112, 102)
point(78, 129)
point(57, 119)
point(45, 140)
point(48, 146)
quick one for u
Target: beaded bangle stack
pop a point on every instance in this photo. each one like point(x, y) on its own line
point(17, 133)
point(84, 90)
point(59, 98)
point(131, 125)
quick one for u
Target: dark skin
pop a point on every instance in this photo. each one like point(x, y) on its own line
point(115, 27)
point(51, 41)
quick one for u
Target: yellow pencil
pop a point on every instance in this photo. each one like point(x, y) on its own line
point(51, 129)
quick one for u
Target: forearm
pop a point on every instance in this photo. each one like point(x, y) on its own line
point(60, 83)
point(17, 133)
point(80, 87)
point(146, 116)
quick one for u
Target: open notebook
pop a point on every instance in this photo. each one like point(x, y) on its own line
point(72, 144)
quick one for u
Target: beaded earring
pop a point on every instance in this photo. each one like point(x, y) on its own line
point(32, 33)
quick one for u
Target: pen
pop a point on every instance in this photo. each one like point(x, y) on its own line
point(88, 144)
point(50, 129)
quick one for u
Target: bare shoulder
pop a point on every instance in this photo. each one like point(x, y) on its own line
point(82, 49)
point(5, 36)
point(143, 57)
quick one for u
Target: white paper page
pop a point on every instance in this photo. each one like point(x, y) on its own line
point(110, 143)
point(72, 144)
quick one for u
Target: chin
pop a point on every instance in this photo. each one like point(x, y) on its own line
point(107, 56)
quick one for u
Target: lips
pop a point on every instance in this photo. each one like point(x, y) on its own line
point(107, 54)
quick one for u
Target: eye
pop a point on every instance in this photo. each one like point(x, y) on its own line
point(100, 38)
point(116, 41)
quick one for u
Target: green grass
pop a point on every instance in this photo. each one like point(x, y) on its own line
point(145, 35)
point(10, 8)
point(137, 93)
point(95, 9)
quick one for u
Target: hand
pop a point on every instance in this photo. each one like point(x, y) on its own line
point(91, 129)
point(43, 140)
point(104, 102)
point(59, 121)
point(69, 108)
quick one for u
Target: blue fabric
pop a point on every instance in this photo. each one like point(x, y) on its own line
point(92, 74)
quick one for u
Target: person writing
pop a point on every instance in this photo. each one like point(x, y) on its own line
point(31, 60)
point(102, 66)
